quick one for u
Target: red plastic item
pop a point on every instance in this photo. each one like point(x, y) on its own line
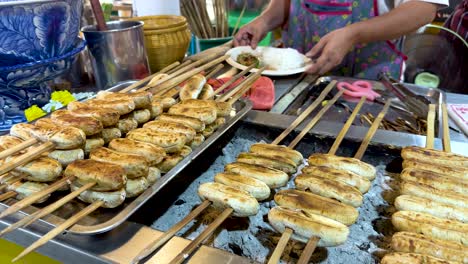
point(262, 93)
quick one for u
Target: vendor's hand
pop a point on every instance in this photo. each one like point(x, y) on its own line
point(330, 50)
point(251, 34)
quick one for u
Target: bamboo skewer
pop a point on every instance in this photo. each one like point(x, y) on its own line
point(169, 82)
point(17, 148)
point(214, 71)
point(35, 196)
point(239, 91)
point(308, 250)
point(146, 79)
point(446, 130)
point(375, 125)
point(232, 80)
point(250, 79)
point(202, 237)
point(26, 157)
point(430, 126)
point(315, 119)
point(181, 70)
point(184, 64)
point(46, 210)
point(346, 127)
point(59, 229)
point(309, 110)
point(244, 90)
point(239, 18)
point(161, 240)
point(7, 195)
point(279, 249)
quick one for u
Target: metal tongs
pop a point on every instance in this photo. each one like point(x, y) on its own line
point(417, 104)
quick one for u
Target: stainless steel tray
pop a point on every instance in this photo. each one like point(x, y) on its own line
point(103, 220)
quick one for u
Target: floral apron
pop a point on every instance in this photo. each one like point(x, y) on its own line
point(309, 20)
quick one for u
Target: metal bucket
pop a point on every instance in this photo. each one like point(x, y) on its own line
point(117, 54)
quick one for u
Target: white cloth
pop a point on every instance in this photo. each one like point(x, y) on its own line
point(459, 114)
point(386, 5)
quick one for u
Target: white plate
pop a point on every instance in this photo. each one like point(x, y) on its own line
point(234, 52)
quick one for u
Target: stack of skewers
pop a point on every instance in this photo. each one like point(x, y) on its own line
point(81, 148)
point(200, 22)
point(432, 209)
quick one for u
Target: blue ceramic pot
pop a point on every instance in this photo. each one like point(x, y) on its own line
point(37, 30)
point(24, 85)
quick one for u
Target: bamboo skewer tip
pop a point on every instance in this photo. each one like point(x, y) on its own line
point(34, 197)
point(163, 238)
point(59, 229)
point(445, 129)
point(188, 250)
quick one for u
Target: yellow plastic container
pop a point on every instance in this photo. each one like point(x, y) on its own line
point(167, 39)
point(9, 250)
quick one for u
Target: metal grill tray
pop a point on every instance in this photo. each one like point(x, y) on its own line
point(103, 220)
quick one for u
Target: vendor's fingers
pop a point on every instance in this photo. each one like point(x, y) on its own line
point(317, 49)
point(327, 67)
point(315, 67)
point(254, 41)
point(241, 36)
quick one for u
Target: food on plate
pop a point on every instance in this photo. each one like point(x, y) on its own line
point(248, 59)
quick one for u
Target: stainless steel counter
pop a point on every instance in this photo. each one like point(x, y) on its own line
point(121, 244)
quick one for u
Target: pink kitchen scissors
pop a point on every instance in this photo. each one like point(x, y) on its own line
point(358, 89)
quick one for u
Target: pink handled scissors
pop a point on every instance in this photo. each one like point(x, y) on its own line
point(358, 89)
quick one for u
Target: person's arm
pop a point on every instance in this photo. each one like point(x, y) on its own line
point(274, 16)
point(406, 18)
point(400, 21)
